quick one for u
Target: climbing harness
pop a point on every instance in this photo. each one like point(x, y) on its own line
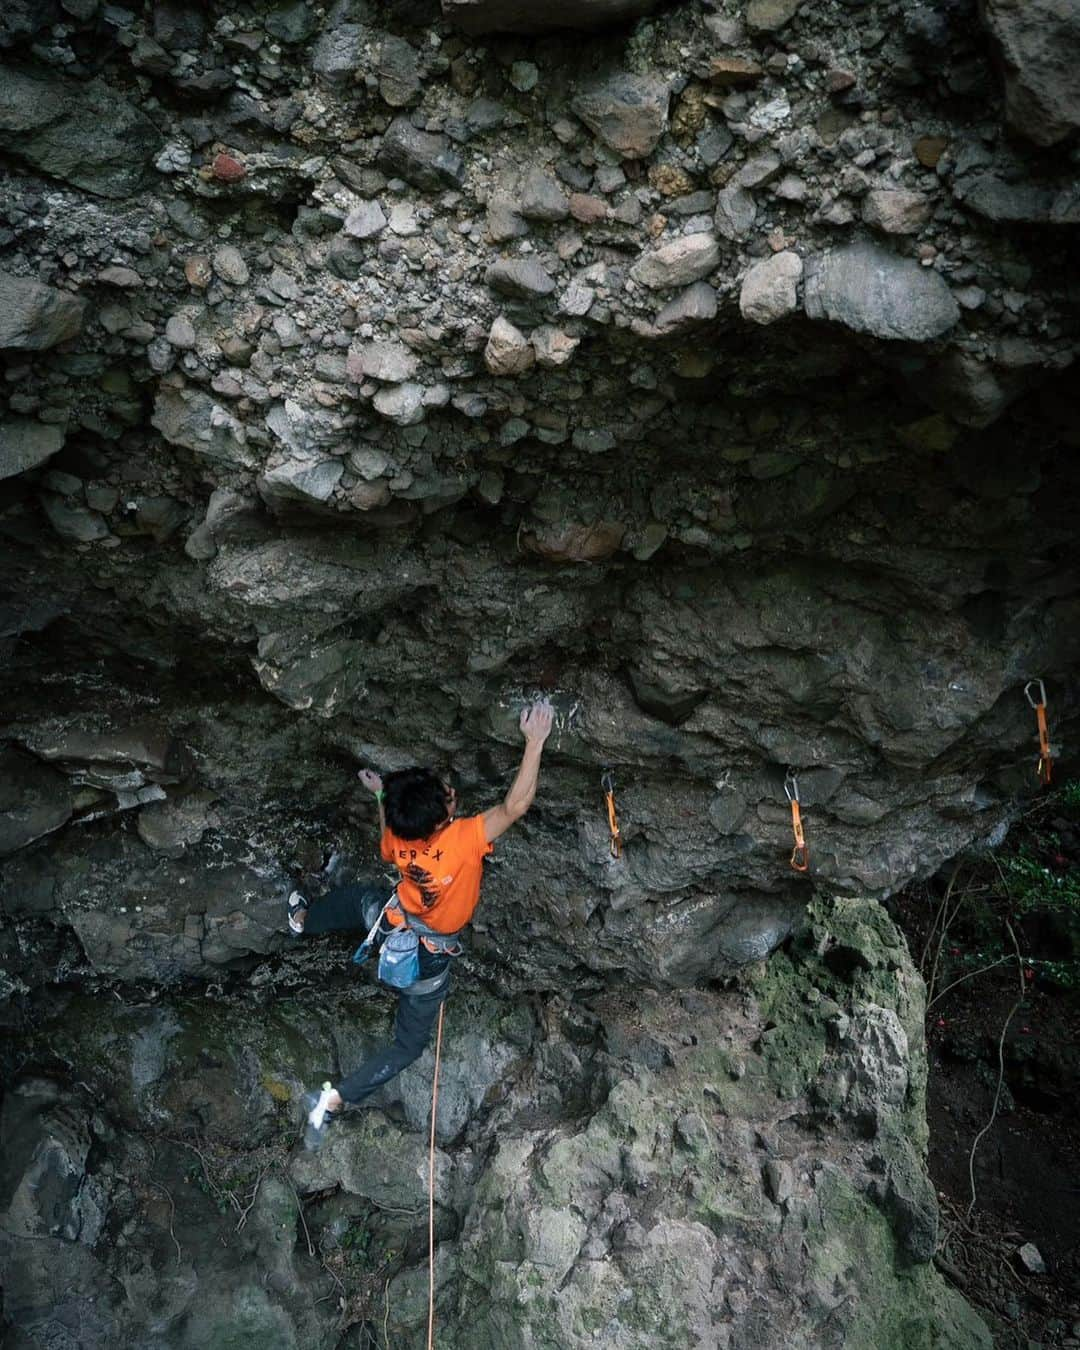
point(607, 782)
point(399, 955)
point(1046, 764)
point(431, 1187)
point(800, 854)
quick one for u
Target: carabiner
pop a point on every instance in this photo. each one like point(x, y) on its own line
point(607, 782)
point(1042, 693)
point(791, 786)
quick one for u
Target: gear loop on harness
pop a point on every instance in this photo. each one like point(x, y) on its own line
point(607, 783)
point(800, 854)
point(1045, 767)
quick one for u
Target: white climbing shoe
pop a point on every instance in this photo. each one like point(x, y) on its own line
point(319, 1115)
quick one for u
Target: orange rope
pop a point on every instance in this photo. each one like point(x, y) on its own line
point(431, 1188)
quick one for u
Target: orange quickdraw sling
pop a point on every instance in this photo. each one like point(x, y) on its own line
point(607, 782)
point(1045, 766)
point(800, 854)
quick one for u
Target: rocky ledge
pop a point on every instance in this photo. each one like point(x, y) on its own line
point(729, 1168)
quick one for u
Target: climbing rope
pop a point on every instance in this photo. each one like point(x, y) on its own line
point(431, 1188)
point(1045, 766)
point(800, 854)
point(607, 782)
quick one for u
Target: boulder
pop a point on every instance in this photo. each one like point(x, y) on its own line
point(526, 16)
point(869, 290)
point(678, 263)
point(627, 112)
point(34, 316)
point(24, 444)
point(1038, 46)
point(83, 133)
point(425, 159)
point(770, 289)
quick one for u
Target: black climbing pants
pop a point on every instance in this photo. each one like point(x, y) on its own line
point(355, 907)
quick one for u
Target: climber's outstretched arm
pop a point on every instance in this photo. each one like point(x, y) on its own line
point(535, 726)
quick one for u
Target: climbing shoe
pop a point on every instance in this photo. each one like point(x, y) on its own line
point(318, 1117)
point(297, 905)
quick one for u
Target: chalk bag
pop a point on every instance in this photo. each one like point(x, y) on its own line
point(399, 959)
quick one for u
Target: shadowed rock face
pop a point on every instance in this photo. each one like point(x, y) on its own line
point(361, 382)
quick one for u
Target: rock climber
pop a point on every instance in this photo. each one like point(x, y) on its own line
point(439, 858)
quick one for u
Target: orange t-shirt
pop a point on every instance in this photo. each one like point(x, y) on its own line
point(440, 876)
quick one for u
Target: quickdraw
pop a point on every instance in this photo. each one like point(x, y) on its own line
point(800, 854)
point(1046, 764)
point(607, 782)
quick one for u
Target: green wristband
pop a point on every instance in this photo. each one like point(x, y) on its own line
point(379, 795)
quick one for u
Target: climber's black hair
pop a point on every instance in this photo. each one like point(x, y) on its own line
point(416, 802)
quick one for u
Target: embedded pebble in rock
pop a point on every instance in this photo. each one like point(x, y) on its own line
point(553, 347)
point(34, 316)
point(365, 221)
point(423, 158)
point(1039, 48)
point(542, 198)
point(508, 351)
point(627, 112)
point(399, 73)
point(401, 403)
point(872, 291)
point(230, 266)
point(677, 263)
point(390, 362)
point(736, 212)
point(521, 277)
point(894, 211)
point(696, 306)
point(524, 76)
point(25, 445)
point(180, 332)
point(767, 16)
point(770, 288)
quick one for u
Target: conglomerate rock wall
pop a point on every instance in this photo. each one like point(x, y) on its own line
point(370, 368)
